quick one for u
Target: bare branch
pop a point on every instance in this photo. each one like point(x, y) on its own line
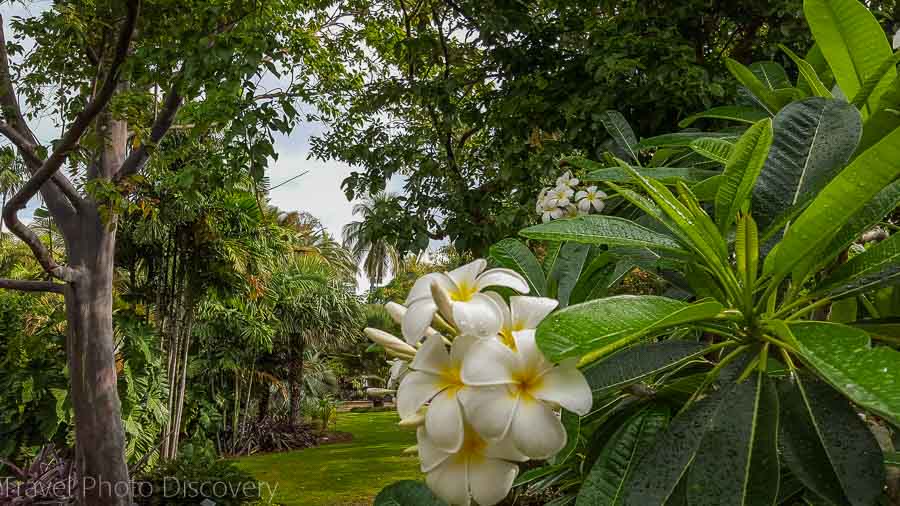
point(8, 100)
point(24, 145)
point(31, 286)
point(41, 253)
point(138, 158)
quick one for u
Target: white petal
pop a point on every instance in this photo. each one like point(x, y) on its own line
point(897, 40)
point(592, 189)
point(584, 205)
point(422, 287)
point(580, 195)
point(599, 205)
point(444, 421)
point(566, 386)
point(489, 363)
point(396, 311)
point(432, 357)
point(528, 312)
point(430, 456)
point(417, 319)
point(558, 212)
point(479, 316)
point(416, 389)
point(503, 277)
point(489, 409)
point(505, 309)
point(504, 449)
point(460, 349)
point(574, 181)
point(450, 481)
point(467, 274)
point(490, 480)
point(536, 430)
point(531, 359)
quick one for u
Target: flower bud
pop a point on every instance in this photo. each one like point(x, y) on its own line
point(442, 299)
point(397, 311)
point(390, 343)
point(413, 421)
point(412, 450)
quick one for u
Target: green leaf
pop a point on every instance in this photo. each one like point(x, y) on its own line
point(878, 266)
point(764, 95)
point(602, 229)
point(661, 468)
point(638, 362)
point(884, 329)
point(826, 445)
point(737, 462)
point(853, 43)
point(808, 74)
point(712, 148)
point(844, 357)
point(740, 114)
point(550, 257)
point(771, 74)
point(513, 254)
point(407, 493)
point(604, 484)
point(665, 174)
point(746, 252)
point(885, 119)
point(840, 200)
point(812, 141)
point(741, 172)
point(572, 423)
point(706, 190)
point(619, 129)
point(567, 269)
point(681, 139)
point(872, 82)
point(601, 326)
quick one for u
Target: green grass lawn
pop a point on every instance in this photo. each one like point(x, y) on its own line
point(340, 474)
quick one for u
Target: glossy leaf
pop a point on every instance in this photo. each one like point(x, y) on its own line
point(513, 254)
point(605, 483)
point(567, 269)
point(845, 358)
point(812, 141)
point(764, 95)
point(852, 41)
point(619, 129)
point(771, 74)
point(838, 202)
point(873, 81)
point(706, 190)
point(602, 230)
point(714, 149)
point(808, 74)
point(741, 172)
point(740, 114)
point(638, 362)
point(826, 445)
point(664, 174)
point(572, 423)
point(407, 493)
point(681, 139)
point(876, 267)
point(737, 462)
point(746, 252)
point(601, 326)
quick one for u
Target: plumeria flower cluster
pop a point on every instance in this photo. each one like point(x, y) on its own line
point(479, 392)
point(568, 199)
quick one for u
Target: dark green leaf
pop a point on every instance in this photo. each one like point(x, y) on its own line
point(878, 266)
point(664, 174)
point(512, 254)
point(619, 129)
point(741, 172)
point(567, 269)
point(681, 139)
point(602, 230)
point(407, 493)
point(639, 362)
point(737, 113)
point(714, 149)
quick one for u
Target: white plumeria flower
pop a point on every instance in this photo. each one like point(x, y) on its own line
point(567, 180)
point(391, 344)
point(897, 40)
point(559, 196)
point(542, 197)
point(397, 313)
point(551, 212)
point(481, 470)
point(398, 369)
point(461, 300)
point(522, 313)
point(516, 394)
point(435, 377)
point(592, 197)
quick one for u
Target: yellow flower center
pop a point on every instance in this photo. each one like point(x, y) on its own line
point(464, 292)
point(527, 384)
point(473, 446)
point(506, 334)
point(452, 381)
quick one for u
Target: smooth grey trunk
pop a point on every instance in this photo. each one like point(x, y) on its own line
point(100, 438)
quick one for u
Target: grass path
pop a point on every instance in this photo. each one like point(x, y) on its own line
point(340, 474)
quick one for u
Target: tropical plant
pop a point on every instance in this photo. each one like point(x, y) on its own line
point(370, 240)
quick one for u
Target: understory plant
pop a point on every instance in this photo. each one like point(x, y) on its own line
point(762, 366)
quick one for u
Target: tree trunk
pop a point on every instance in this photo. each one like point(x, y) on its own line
point(264, 402)
point(297, 383)
point(99, 437)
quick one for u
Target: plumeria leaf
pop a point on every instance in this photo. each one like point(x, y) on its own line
point(826, 445)
point(874, 80)
point(844, 357)
point(737, 462)
point(602, 230)
point(715, 149)
point(884, 329)
point(706, 190)
point(761, 92)
point(746, 252)
point(667, 175)
point(682, 139)
point(812, 141)
point(572, 423)
point(853, 43)
point(550, 257)
point(737, 113)
point(513, 254)
point(407, 493)
point(809, 78)
point(601, 326)
point(567, 269)
point(878, 266)
point(741, 172)
point(640, 361)
point(619, 129)
point(837, 203)
point(604, 484)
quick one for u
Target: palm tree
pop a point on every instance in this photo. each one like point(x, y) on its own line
point(371, 249)
point(10, 176)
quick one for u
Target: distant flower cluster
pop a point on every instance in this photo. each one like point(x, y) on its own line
point(567, 199)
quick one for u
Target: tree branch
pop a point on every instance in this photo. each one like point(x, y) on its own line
point(138, 158)
point(31, 286)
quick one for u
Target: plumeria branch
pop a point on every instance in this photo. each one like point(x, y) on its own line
point(31, 286)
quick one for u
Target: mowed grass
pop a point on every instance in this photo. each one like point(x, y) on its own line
point(340, 474)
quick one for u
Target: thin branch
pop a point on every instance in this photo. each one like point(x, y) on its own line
point(31, 286)
point(138, 157)
point(8, 99)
